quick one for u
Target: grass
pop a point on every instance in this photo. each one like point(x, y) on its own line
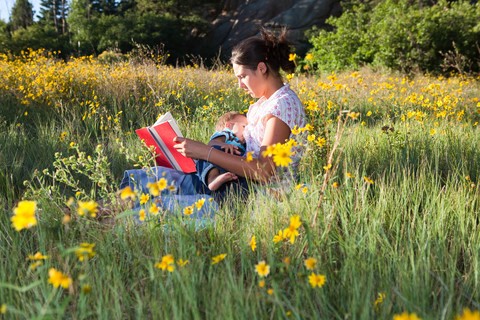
point(398, 215)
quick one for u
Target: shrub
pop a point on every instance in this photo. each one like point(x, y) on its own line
point(401, 36)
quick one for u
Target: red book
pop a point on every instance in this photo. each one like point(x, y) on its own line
point(160, 136)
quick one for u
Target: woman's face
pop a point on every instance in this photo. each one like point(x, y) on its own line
point(252, 81)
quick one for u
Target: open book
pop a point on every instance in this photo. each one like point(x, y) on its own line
point(160, 136)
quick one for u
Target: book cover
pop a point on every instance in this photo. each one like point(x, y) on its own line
point(161, 136)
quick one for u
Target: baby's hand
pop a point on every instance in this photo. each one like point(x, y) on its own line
point(228, 148)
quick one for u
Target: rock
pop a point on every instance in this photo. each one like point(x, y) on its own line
point(242, 19)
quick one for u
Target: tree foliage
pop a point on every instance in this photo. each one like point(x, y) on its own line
point(403, 36)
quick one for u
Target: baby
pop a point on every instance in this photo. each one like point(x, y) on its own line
point(228, 137)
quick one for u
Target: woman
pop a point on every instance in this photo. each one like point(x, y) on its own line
point(256, 63)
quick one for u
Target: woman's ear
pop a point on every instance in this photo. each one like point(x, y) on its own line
point(262, 67)
point(229, 125)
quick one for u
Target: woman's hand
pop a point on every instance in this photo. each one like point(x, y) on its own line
point(191, 148)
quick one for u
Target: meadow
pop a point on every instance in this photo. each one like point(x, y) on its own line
point(383, 223)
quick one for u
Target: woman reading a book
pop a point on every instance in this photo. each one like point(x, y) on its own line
point(257, 62)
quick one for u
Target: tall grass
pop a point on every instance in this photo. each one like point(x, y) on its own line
point(398, 216)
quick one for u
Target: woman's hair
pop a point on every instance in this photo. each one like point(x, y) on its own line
point(227, 117)
point(273, 50)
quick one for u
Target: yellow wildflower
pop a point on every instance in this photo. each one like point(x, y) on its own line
point(87, 208)
point(381, 296)
point(199, 203)
point(249, 156)
point(281, 155)
point(37, 256)
point(3, 308)
point(261, 283)
point(368, 180)
point(310, 263)
point(253, 243)
point(24, 215)
point(270, 291)
point(85, 251)
point(278, 237)
point(127, 193)
point(141, 215)
point(268, 152)
point(316, 280)
point(406, 316)
point(58, 279)
point(167, 263)
point(218, 258)
point(468, 315)
point(154, 209)
point(262, 268)
point(182, 263)
point(144, 198)
point(188, 210)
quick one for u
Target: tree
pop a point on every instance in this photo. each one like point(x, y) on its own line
point(54, 13)
point(22, 15)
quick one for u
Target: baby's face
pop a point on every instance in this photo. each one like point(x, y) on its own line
point(237, 125)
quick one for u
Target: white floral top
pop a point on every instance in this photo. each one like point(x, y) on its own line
point(283, 104)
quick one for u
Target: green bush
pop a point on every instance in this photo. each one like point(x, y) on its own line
point(402, 36)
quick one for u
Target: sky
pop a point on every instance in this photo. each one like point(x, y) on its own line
point(6, 7)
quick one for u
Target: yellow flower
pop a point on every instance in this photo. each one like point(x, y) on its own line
point(261, 283)
point(218, 258)
point(311, 137)
point(87, 208)
point(127, 193)
point(162, 184)
point(335, 185)
point(188, 210)
point(406, 316)
point(85, 251)
point(24, 215)
point(167, 263)
point(66, 218)
point(154, 209)
point(281, 155)
point(309, 57)
point(468, 315)
point(199, 203)
point(381, 296)
point(35, 265)
point(287, 261)
point(291, 231)
point(350, 175)
point(262, 268)
point(353, 115)
point(37, 256)
point(278, 237)
point(310, 263)
point(253, 243)
point(86, 289)
point(368, 180)
point(182, 263)
point(268, 152)
point(141, 215)
point(144, 198)
point(369, 113)
point(57, 278)
point(292, 57)
point(320, 142)
point(316, 280)
point(270, 291)
point(327, 167)
point(249, 156)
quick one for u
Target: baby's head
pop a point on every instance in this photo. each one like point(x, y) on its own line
point(233, 120)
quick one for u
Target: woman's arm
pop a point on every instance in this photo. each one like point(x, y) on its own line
point(261, 169)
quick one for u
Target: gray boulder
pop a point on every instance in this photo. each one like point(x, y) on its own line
point(241, 19)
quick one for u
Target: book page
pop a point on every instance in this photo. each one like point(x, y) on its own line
point(167, 117)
